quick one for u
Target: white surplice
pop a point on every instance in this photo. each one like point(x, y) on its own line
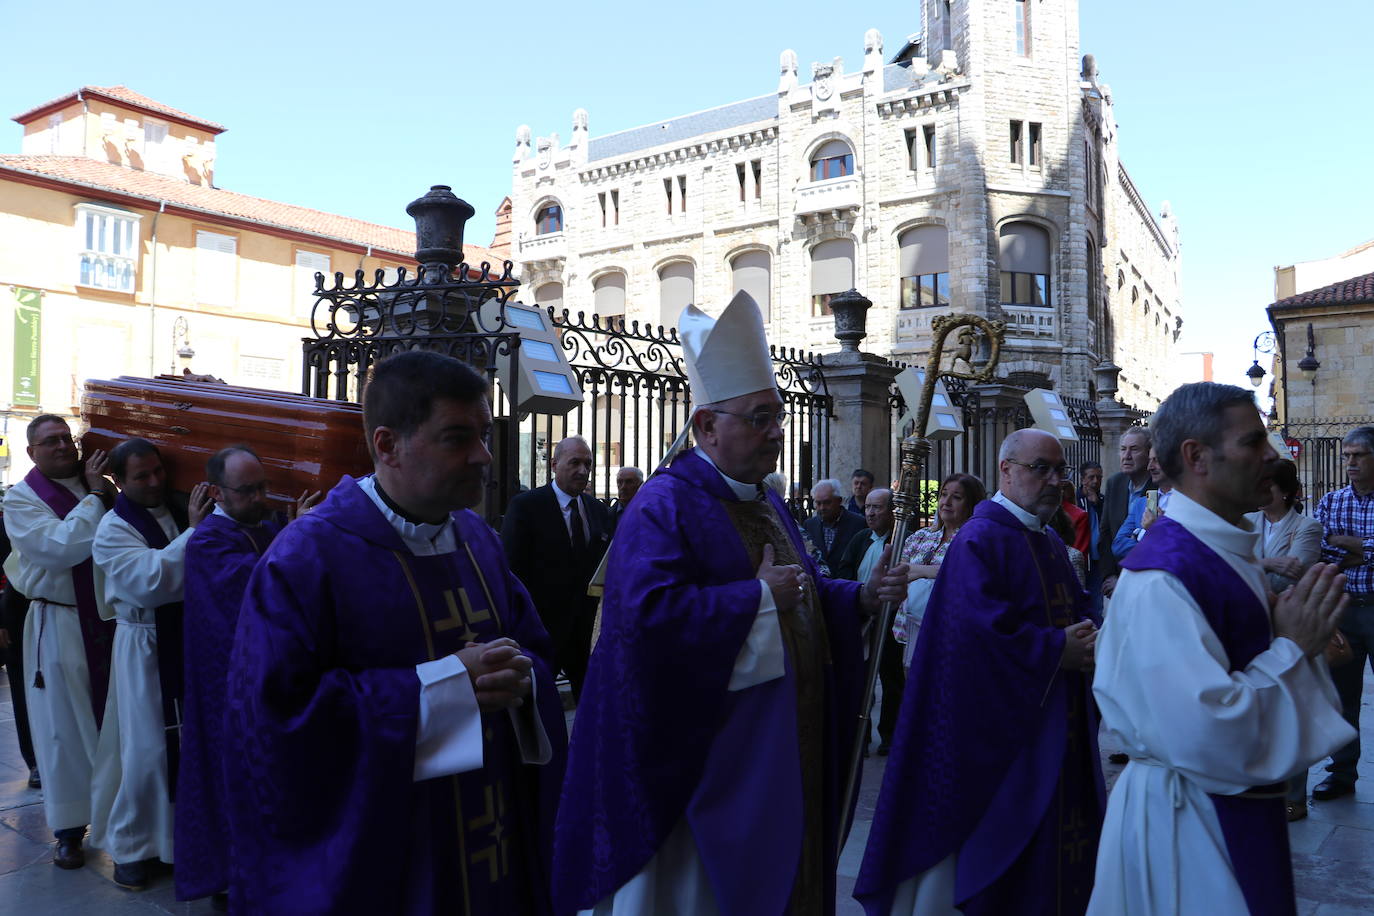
point(45, 548)
point(1191, 728)
point(131, 811)
point(674, 881)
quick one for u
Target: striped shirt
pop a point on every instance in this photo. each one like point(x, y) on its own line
point(1345, 512)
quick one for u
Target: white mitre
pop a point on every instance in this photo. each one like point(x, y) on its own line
point(728, 356)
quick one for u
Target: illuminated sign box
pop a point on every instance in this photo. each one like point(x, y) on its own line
point(946, 420)
point(547, 384)
point(1051, 414)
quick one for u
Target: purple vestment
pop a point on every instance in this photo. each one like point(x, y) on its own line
point(658, 737)
point(323, 709)
point(97, 635)
point(1253, 824)
point(995, 756)
point(220, 556)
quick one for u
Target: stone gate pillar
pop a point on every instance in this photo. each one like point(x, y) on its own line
point(861, 433)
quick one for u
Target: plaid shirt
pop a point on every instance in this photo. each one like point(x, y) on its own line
point(1345, 512)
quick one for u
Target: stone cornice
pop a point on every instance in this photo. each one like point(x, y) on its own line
point(921, 99)
point(698, 149)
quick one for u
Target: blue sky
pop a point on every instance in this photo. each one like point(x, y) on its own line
point(1251, 119)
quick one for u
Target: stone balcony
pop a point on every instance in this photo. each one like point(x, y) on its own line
point(552, 246)
point(834, 195)
point(1033, 322)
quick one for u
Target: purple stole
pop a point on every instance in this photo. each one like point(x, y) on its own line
point(169, 639)
point(1252, 823)
point(96, 635)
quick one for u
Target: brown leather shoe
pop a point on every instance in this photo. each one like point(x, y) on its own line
point(69, 853)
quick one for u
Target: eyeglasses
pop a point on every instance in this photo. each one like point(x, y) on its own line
point(248, 489)
point(759, 419)
point(1043, 470)
point(55, 441)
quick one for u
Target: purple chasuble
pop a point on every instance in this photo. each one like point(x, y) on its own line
point(323, 711)
point(658, 737)
point(995, 754)
point(1253, 824)
point(167, 618)
point(97, 636)
point(220, 556)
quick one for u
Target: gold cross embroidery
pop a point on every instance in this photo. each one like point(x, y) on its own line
point(497, 854)
point(465, 619)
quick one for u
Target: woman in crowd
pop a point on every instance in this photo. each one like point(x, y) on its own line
point(1289, 543)
point(925, 549)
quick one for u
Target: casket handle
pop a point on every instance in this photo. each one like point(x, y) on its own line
point(182, 405)
point(180, 430)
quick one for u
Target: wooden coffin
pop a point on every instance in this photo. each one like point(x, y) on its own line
point(305, 443)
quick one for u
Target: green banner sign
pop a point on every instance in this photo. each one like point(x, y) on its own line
point(28, 313)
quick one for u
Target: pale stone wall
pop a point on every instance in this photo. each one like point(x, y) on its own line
point(968, 94)
point(1344, 346)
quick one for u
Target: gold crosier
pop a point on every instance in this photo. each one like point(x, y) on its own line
point(906, 501)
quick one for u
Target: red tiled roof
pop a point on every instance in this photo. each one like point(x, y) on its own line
point(1356, 290)
point(122, 95)
point(153, 188)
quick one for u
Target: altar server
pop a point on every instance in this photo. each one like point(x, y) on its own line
point(993, 796)
point(220, 556)
point(1215, 705)
point(51, 516)
point(721, 700)
point(140, 547)
point(394, 736)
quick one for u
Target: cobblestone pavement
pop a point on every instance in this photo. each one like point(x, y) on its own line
point(1333, 849)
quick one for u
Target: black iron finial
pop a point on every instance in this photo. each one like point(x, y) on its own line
point(850, 310)
point(440, 217)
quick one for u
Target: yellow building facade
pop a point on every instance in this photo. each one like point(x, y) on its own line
point(119, 256)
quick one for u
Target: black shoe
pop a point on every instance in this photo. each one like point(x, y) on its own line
point(1331, 787)
point(884, 748)
point(69, 853)
point(132, 875)
point(1118, 758)
point(35, 782)
point(220, 903)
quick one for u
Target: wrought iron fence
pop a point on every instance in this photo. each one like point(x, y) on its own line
point(1321, 468)
point(990, 414)
point(635, 391)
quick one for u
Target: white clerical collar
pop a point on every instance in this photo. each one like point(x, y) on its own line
point(744, 491)
point(423, 539)
point(219, 510)
point(1212, 529)
point(1029, 520)
point(563, 498)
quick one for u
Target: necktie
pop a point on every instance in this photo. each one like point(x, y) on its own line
point(579, 537)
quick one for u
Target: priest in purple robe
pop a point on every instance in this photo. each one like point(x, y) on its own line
point(1217, 690)
point(395, 740)
point(722, 697)
point(220, 556)
point(992, 799)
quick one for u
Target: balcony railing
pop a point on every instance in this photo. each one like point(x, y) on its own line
point(105, 271)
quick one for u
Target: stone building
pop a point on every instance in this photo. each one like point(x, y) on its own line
point(119, 254)
point(976, 170)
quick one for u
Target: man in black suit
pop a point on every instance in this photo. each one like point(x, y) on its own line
point(831, 528)
point(861, 481)
point(627, 484)
point(1134, 477)
point(555, 536)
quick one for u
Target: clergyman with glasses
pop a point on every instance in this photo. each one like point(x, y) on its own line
point(220, 556)
point(704, 771)
point(993, 798)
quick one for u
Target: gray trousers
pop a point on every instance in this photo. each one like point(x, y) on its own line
point(1358, 626)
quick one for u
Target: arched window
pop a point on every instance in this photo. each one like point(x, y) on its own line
point(1024, 259)
point(548, 219)
point(549, 296)
point(832, 271)
point(924, 267)
point(608, 295)
point(676, 290)
point(751, 274)
point(834, 159)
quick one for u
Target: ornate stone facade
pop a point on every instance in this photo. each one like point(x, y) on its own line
point(976, 171)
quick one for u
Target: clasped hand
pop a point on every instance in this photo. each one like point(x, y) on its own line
point(500, 673)
point(1080, 646)
point(1308, 612)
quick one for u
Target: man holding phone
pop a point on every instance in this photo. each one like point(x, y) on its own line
point(1146, 508)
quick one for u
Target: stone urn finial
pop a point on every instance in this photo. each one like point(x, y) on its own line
point(440, 216)
point(850, 310)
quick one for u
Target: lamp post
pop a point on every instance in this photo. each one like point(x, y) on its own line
point(1264, 343)
point(1309, 365)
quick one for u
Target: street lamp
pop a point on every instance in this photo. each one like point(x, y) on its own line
point(1309, 365)
point(1264, 343)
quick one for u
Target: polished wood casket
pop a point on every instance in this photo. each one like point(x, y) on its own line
point(305, 443)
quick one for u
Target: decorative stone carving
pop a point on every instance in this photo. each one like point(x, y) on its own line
point(787, 67)
point(873, 51)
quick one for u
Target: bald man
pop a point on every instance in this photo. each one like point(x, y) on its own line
point(992, 801)
point(554, 537)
